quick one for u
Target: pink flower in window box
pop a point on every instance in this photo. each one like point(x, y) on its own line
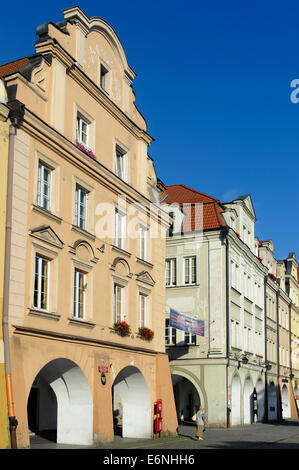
point(85, 150)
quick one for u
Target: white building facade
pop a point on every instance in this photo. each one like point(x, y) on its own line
point(213, 273)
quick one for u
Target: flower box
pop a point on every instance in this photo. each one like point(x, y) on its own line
point(146, 333)
point(122, 328)
point(85, 150)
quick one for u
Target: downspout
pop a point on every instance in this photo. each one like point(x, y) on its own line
point(16, 115)
point(279, 413)
point(265, 420)
point(227, 285)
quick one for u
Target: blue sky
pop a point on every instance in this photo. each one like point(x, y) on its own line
point(213, 82)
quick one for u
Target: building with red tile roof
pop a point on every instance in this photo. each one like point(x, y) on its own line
point(214, 275)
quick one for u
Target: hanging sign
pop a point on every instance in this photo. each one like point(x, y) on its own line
point(186, 323)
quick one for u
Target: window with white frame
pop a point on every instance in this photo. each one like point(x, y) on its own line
point(118, 303)
point(119, 229)
point(120, 161)
point(170, 272)
point(170, 333)
point(79, 294)
point(44, 186)
point(81, 207)
point(82, 130)
point(235, 276)
point(142, 242)
point(142, 310)
point(190, 270)
point(189, 338)
point(41, 283)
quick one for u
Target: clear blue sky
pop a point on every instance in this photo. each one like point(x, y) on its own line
point(213, 82)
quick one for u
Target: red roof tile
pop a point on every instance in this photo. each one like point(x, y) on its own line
point(201, 211)
point(13, 67)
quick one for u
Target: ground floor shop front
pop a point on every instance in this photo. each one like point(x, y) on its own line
point(81, 392)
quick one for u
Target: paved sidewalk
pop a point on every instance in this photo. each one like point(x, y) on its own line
point(256, 436)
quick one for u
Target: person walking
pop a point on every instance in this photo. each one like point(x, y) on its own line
point(201, 421)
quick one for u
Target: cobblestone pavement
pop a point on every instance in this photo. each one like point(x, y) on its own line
point(256, 436)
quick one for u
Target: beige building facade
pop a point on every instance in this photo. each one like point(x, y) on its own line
point(280, 354)
point(81, 259)
point(4, 152)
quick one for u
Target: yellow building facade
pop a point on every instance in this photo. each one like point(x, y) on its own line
point(83, 257)
point(4, 145)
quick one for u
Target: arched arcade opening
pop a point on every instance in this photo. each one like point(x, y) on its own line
point(285, 402)
point(60, 405)
point(131, 403)
point(248, 401)
point(236, 401)
point(186, 396)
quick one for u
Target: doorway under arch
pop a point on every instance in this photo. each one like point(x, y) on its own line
point(60, 404)
point(248, 401)
point(236, 401)
point(186, 396)
point(131, 404)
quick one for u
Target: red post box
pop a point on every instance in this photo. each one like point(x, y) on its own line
point(159, 406)
point(158, 425)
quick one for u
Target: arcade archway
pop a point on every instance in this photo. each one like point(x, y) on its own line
point(60, 404)
point(285, 402)
point(187, 398)
point(248, 401)
point(236, 401)
point(131, 404)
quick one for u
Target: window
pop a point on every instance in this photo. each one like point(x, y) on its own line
point(142, 310)
point(189, 338)
point(120, 163)
point(244, 234)
point(82, 130)
point(190, 270)
point(44, 186)
point(79, 294)
point(103, 77)
point(118, 303)
point(142, 242)
point(119, 229)
point(171, 227)
point(233, 223)
point(170, 333)
point(171, 272)
point(41, 283)
point(81, 207)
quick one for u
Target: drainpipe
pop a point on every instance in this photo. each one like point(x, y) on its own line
point(279, 411)
point(228, 410)
point(265, 420)
point(16, 115)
